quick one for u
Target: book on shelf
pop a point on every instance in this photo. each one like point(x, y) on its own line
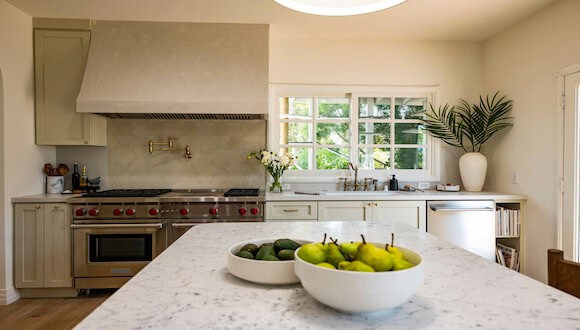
point(507, 222)
point(507, 256)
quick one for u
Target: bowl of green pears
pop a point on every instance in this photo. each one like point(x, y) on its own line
point(359, 277)
point(265, 261)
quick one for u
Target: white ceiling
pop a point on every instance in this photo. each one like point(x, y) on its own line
point(438, 20)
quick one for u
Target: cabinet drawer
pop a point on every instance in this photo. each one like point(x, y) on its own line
point(291, 210)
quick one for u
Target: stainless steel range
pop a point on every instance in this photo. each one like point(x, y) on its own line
point(118, 232)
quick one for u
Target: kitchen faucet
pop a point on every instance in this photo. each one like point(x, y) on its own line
point(367, 181)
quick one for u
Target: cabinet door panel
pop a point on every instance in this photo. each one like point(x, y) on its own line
point(28, 246)
point(291, 210)
point(344, 211)
point(57, 246)
point(408, 212)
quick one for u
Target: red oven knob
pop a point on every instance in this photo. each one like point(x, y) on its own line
point(243, 210)
point(93, 212)
point(153, 211)
point(255, 210)
point(213, 211)
point(117, 212)
point(184, 211)
point(80, 212)
point(130, 211)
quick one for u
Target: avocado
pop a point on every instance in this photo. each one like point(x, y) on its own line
point(252, 248)
point(286, 254)
point(245, 254)
point(285, 244)
point(264, 251)
point(270, 258)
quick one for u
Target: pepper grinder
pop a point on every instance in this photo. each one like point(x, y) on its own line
point(393, 184)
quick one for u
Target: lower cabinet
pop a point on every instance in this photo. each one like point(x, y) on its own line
point(292, 211)
point(409, 212)
point(42, 246)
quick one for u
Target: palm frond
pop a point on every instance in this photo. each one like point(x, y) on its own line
point(443, 124)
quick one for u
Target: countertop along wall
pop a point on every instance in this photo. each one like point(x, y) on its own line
point(523, 62)
point(22, 159)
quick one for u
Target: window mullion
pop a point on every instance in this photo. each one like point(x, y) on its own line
point(354, 142)
point(314, 132)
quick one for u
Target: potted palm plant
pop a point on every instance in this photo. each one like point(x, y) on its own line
point(469, 126)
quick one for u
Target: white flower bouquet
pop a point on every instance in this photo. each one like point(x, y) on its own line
point(275, 165)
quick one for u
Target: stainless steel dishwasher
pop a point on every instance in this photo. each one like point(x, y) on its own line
point(467, 224)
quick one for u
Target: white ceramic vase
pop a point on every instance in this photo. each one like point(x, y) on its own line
point(473, 168)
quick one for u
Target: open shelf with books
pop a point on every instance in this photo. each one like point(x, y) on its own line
point(509, 229)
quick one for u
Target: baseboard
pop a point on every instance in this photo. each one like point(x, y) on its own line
point(49, 293)
point(8, 296)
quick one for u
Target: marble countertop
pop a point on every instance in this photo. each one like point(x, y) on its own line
point(44, 198)
point(189, 287)
point(397, 196)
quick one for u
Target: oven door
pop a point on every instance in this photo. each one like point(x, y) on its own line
point(113, 249)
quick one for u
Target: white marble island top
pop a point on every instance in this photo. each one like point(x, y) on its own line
point(189, 287)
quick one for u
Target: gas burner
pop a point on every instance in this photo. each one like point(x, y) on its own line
point(128, 193)
point(239, 192)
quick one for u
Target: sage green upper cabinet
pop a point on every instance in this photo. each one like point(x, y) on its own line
point(60, 56)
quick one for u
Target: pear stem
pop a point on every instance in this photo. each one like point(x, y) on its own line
point(393, 239)
point(363, 238)
point(324, 239)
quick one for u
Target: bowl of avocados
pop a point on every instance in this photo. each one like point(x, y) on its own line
point(265, 261)
point(359, 277)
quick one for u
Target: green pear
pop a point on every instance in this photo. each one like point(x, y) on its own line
point(381, 260)
point(350, 249)
point(359, 266)
point(325, 265)
point(393, 250)
point(343, 264)
point(333, 254)
point(313, 253)
point(400, 264)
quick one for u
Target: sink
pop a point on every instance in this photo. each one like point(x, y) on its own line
point(359, 193)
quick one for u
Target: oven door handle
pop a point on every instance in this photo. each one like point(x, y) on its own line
point(115, 225)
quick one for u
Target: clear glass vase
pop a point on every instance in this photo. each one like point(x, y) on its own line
point(276, 185)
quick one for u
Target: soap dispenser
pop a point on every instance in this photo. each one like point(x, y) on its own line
point(393, 184)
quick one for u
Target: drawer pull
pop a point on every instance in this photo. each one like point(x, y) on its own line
point(290, 210)
point(56, 207)
point(38, 207)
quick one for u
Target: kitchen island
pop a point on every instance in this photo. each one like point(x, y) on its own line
point(189, 287)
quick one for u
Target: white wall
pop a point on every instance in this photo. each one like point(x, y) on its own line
point(456, 67)
point(22, 159)
point(522, 62)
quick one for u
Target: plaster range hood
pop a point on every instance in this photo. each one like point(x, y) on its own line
point(167, 70)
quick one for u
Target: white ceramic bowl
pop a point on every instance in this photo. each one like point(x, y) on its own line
point(360, 292)
point(259, 271)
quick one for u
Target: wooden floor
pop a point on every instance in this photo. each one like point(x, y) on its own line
point(51, 313)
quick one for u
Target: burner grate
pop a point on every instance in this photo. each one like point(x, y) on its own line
point(128, 193)
point(239, 192)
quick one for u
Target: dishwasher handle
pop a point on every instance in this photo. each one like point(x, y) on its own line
point(446, 208)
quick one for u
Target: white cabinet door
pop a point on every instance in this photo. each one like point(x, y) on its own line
point(408, 212)
point(28, 246)
point(344, 211)
point(57, 247)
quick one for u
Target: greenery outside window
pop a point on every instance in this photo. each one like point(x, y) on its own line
point(376, 128)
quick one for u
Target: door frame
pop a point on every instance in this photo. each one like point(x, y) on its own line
point(560, 117)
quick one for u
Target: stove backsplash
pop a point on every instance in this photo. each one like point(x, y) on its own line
point(219, 149)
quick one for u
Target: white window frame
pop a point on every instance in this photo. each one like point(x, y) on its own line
point(432, 170)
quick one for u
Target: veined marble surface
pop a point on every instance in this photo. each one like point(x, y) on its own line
point(189, 287)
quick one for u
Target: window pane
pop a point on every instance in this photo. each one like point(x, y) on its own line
point(409, 133)
point(303, 156)
point(408, 108)
point(295, 133)
point(374, 133)
point(374, 158)
point(374, 107)
point(295, 107)
point(332, 133)
point(409, 158)
point(332, 158)
point(333, 107)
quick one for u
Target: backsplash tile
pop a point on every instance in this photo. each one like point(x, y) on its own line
point(218, 147)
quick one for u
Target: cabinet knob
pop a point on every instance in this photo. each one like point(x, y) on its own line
point(38, 207)
point(56, 207)
point(376, 204)
point(86, 142)
point(369, 204)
